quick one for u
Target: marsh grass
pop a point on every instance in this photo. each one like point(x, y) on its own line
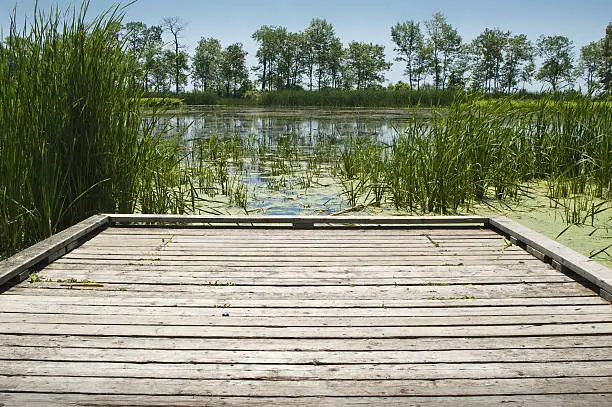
point(72, 139)
point(470, 152)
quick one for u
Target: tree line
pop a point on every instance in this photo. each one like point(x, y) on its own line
point(433, 55)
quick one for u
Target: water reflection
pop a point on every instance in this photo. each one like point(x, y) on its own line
point(285, 159)
point(306, 123)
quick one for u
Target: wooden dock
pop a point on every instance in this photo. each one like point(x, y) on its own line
point(143, 310)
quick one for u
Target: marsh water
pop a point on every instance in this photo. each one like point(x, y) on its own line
point(289, 161)
point(284, 158)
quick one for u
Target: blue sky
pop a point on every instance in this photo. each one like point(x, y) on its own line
point(235, 20)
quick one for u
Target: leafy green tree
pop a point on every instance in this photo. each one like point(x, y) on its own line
point(176, 27)
point(145, 44)
point(519, 55)
point(206, 61)
point(591, 58)
point(291, 60)
point(605, 70)
point(528, 73)
point(234, 73)
point(320, 36)
point(408, 39)
point(558, 62)
point(335, 61)
point(488, 56)
point(444, 46)
point(267, 53)
point(366, 64)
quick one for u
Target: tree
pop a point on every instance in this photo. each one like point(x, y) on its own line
point(366, 64)
point(556, 52)
point(320, 36)
point(488, 55)
point(145, 44)
point(181, 59)
point(519, 56)
point(206, 61)
point(335, 60)
point(408, 39)
point(591, 56)
point(444, 45)
point(234, 73)
point(267, 37)
point(605, 70)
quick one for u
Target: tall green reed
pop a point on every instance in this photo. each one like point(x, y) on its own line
point(72, 139)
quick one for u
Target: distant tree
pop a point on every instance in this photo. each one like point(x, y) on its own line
point(408, 39)
point(605, 70)
point(267, 53)
point(444, 45)
point(291, 62)
point(335, 60)
point(528, 73)
point(488, 56)
point(176, 27)
point(206, 61)
point(234, 73)
point(366, 64)
point(558, 62)
point(320, 36)
point(145, 44)
point(591, 59)
point(519, 55)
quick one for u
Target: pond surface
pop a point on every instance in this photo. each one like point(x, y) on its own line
point(287, 162)
point(286, 156)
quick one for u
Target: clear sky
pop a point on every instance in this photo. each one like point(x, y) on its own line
point(235, 20)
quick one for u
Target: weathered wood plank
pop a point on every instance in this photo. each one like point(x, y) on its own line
point(594, 272)
point(387, 371)
point(311, 321)
point(46, 308)
point(195, 356)
point(547, 400)
point(22, 261)
point(307, 332)
point(223, 279)
point(301, 220)
point(83, 298)
point(510, 269)
point(287, 388)
point(312, 292)
point(318, 344)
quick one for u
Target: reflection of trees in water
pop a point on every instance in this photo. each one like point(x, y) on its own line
point(267, 127)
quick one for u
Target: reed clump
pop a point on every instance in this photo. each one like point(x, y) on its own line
point(72, 139)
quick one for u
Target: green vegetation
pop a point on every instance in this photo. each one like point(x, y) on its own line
point(72, 140)
point(434, 53)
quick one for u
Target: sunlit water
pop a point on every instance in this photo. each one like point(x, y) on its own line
point(310, 130)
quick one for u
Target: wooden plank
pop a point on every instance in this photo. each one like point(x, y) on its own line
point(149, 274)
point(587, 268)
point(46, 308)
point(300, 344)
point(357, 269)
point(84, 298)
point(288, 388)
point(301, 357)
point(547, 400)
point(390, 371)
point(276, 321)
point(299, 220)
point(291, 262)
point(24, 260)
point(287, 252)
point(312, 292)
point(224, 279)
point(307, 332)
